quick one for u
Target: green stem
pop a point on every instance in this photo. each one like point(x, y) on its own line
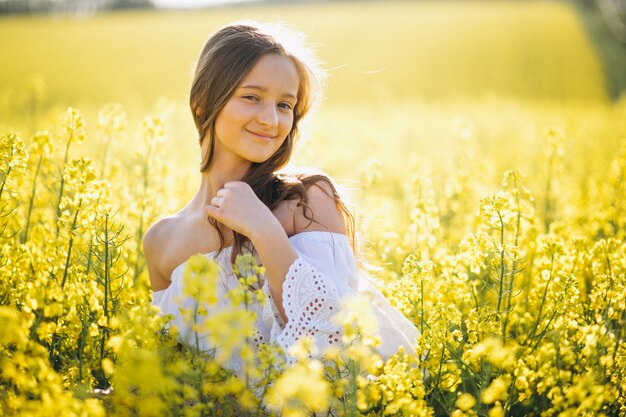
point(107, 283)
point(422, 305)
point(514, 267)
point(543, 299)
point(543, 332)
point(197, 356)
point(502, 267)
point(80, 349)
point(67, 151)
point(195, 325)
point(443, 351)
point(31, 202)
point(69, 250)
point(145, 170)
point(4, 181)
point(67, 262)
point(246, 364)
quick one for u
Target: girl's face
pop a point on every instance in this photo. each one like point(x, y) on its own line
point(257, 118)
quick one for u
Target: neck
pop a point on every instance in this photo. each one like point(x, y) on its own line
point(214, 179)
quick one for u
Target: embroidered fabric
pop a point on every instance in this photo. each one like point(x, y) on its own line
point(314, 286)
point(310, 300)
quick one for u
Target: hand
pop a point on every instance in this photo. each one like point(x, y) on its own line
point(238, 208)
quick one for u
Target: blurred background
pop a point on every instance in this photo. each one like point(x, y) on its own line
point(413, 87)
point(95, 51)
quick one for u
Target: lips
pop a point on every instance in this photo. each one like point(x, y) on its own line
point(263, 135)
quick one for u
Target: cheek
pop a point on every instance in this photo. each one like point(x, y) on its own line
point(228, 118)
point(286, 122)
point(234, 110)
point(221, 127)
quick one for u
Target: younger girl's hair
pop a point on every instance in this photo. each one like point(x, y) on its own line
point(225, 60)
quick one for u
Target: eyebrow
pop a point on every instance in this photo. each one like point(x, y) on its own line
point(256, 87)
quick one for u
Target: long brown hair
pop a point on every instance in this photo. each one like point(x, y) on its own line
point(225, 60)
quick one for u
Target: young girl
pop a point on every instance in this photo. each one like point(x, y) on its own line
point(247, 98)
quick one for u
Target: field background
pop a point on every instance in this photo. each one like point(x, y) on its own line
point(405, 50)
point(403, 77)
point(428, 106)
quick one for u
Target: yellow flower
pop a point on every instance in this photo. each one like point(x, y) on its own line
point(112, 118)
point(303, 348)
point(13, 154)
point(153, 130)
point(302, 384)
point(74, 125)
point(465, 401)
point(200, 279)
point(492, 350)
point(496, 411)
point(497, 390)
point(107, 366)
point(498, 210)
point(357, 319)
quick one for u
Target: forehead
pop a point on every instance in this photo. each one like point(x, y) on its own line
point(274, 72)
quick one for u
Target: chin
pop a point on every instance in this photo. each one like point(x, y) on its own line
point(260, 157)
point(256, 159)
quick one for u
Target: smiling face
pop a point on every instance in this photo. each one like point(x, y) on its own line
point(257, 118)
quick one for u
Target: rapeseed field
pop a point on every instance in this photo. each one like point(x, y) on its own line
point(476, 145)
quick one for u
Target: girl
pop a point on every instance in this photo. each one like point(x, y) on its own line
point(249, 94)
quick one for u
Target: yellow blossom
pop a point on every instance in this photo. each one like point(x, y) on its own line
point(465, 401)
point(497, 390)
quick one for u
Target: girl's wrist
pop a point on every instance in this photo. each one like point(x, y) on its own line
point(266, 231)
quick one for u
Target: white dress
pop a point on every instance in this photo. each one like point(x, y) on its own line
point(324, 272)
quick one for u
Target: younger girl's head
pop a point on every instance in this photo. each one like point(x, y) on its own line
point(226, 59)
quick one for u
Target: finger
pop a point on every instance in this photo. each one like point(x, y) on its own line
point(213, 212)
point(217, 201)
point(233, 184)
point(221, 192)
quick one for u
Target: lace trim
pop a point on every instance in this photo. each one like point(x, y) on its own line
point(310, 300)
point(257, 338)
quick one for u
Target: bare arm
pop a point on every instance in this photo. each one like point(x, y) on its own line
point(238, 208)
point(274, 248)
point(277, 255)
point(152, 251)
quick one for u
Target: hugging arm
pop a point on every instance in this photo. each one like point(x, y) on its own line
point(237, 207)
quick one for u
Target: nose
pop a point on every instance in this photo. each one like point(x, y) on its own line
point(268, 116)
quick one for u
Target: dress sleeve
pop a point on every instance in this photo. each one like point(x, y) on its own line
point(324, 272)
point(310, 301)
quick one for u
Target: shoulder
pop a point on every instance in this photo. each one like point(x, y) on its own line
point(156, 233)
point(319, 210)
point(154, 244)
point(322, 201)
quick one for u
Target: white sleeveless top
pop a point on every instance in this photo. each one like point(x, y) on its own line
point(324, 272)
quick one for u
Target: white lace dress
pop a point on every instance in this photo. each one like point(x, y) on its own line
point(324, 272)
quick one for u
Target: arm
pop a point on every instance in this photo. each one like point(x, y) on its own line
point(276, 253)
point(274, 248)
point(237, 207)
point(152, 248)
